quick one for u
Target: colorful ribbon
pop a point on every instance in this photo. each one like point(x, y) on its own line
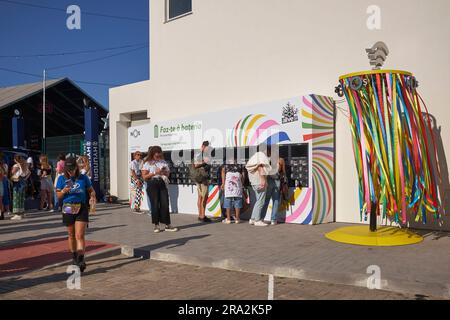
point(391, 146)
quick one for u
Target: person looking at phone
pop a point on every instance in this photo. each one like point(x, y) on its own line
point(74, 189)
point(156, 172)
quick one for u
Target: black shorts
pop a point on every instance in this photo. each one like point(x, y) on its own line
point(82, 216)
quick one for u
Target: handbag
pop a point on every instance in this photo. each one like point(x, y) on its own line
point(71, 208)
point(199, 175)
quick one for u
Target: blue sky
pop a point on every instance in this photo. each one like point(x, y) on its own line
point(29, 30)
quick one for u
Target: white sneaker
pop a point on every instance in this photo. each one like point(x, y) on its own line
point(171, 229)
point(260, 224)
point(251, 222)
point(17, 217)
point(157, 229)
point(226, 221)
point(274, 222)
point(237, 221)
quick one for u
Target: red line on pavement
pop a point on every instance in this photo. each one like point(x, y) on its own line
point(38, 254)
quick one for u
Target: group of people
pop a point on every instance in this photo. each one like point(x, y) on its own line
point(24, 179)
point(69, 193)
point(268, 184)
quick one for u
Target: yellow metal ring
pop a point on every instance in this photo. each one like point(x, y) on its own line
point(362, 73)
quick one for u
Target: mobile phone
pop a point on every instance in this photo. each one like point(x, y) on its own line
point(69, 183)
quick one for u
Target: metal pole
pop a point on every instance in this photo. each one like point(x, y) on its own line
point(373, 217)
point(43, 115)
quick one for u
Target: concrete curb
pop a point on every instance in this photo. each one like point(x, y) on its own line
point(405, 286)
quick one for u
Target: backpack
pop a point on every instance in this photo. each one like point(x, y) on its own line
point(198, 175)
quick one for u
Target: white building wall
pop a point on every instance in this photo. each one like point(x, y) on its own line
point(234, 53)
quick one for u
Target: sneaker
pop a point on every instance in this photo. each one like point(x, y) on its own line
point(205, 219)
point(251, 222)
point(274, 222)
point(261, 224)
point(237, 221)
point(226, 221)
point(17, 217)
point(157, 229)
point(171, 229)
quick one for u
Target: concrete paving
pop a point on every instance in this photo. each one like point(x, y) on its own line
point(291, 251)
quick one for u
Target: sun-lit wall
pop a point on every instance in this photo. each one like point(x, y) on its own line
point(234, 53)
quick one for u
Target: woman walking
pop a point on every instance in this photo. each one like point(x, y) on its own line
point(156, 173)
point(45, 175)
point(74, 189)
point(19, 176)
point(136, 181)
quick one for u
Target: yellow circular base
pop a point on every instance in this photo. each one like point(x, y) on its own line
point(383, 237)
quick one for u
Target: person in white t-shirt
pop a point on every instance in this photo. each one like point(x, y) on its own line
point(232, 186)
point(156, 173)
point(136, 182)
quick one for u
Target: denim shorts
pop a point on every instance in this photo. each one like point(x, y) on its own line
point(233, 203)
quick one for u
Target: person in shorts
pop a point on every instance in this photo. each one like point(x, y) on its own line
point(232, 186)
point(74, 189)
point(201, 160)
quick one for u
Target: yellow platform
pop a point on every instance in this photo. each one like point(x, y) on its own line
point(383, 237)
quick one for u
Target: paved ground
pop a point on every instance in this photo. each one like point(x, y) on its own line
point(130, 278)
point(38, 254)
point(293, 251)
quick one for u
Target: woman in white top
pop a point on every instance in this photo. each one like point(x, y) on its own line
point(156, 172)
point(136, 182)
point(19, 176)
point(259, 168)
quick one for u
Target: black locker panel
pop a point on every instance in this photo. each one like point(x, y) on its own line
point(296, 157)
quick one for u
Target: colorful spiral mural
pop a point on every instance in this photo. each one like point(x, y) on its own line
point(255, 129)
point(318, 127)
point(213, 206)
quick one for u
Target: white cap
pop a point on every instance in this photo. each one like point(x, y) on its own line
point(30, 160)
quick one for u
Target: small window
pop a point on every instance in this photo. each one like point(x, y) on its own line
point(177, 8)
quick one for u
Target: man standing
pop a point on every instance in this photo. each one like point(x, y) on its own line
point(201, 167)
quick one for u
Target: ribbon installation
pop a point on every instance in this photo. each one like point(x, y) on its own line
point(393, 145)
